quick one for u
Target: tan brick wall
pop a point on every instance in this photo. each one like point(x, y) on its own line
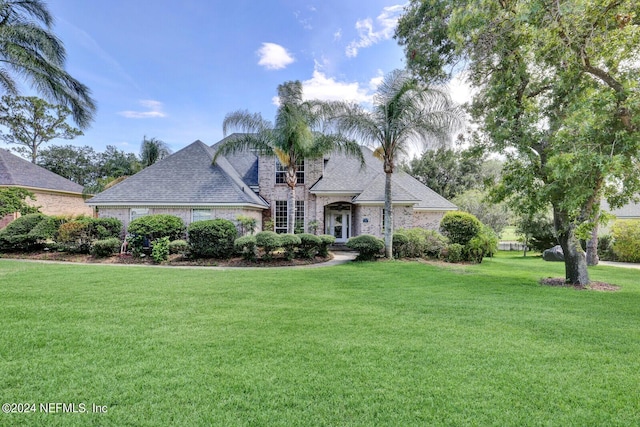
point(60, 204)
point(429, 220)
point(123, 214)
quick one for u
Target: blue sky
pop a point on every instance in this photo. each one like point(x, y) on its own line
point(173, 69)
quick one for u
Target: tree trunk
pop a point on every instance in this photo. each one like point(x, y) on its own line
point(388, 218)
point(575, 261)
point(592, 247)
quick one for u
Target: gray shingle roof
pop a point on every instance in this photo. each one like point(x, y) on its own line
point(187, 177)
point(16, 171)
point(629, 211)
point(342, 174)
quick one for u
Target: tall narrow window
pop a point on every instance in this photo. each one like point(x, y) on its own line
point(282, 217)
point(280, 221)
point(281, 172)
point(299, 227)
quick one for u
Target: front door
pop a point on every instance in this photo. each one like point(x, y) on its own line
point(339, 225)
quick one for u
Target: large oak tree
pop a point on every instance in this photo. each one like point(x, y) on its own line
point(557, 93)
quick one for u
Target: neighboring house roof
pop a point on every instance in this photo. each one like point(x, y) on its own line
point(629, 211)
point(186, 178)
point(18, 172)
point(343, 175)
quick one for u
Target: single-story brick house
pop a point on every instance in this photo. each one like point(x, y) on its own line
point(334, 195)
point(54, 194)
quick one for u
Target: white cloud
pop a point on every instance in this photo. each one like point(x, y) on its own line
point(329, 89)
point(371, 34)
point(376, 81)
point(274, 57)
point(154, 110)
point(337, 35)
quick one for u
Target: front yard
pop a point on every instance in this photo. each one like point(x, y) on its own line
point(386, 343)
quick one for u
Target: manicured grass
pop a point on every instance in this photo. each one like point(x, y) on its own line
point(386, 343)
point(509, 234)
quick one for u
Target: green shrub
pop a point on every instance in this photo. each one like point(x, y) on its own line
point(104, 228)
point(400, 243)
point(15, 236)
point(454, 253)
point(538, 233)
point(106, 247)
point(178, 246)
point(46, 229)
point(289, 243)
point(460, 227)
point(212, 238)
point(269, 241)
point(160, 250)
point(246, 246)
point(75, 236)
point(368, 246)
point(485, 244)
point(326, 240)
point(310, 245)
point(626, 240)
point(157, 226)
point(605, 248)
point(422, 243)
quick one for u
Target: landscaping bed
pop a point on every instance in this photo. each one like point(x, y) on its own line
point(174, 260)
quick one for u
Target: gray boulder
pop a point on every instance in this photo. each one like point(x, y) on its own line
point(553, 254)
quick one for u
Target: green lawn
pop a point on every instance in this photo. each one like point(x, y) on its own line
point(387, 343)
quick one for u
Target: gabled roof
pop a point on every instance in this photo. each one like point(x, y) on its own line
point(18, 172)
point(629, 211)
point(245, 163)
point(343, 175)
point(187, 177)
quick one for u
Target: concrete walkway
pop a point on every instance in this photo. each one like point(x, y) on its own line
point(620, 264)
point(339, 257)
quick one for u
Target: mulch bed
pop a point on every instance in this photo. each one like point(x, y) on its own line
point(593, 286)
point(174, 260)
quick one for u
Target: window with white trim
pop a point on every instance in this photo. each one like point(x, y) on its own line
point(200, 214)
point(281, 172)
point(299, 225)
point(135, 213)
point(280, 217)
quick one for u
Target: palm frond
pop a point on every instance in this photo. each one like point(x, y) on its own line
point(259, 142)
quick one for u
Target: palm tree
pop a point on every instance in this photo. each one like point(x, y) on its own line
point(404, 112)
point(152, 150)
point(300, 132)
point(29, 50)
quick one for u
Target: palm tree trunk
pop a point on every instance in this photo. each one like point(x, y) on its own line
point(291, 210)
point(291, 200)
point(388, 218)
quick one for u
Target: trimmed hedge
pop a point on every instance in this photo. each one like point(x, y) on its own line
point(290, 243)
point(460, 227)
point(269, 241)
point(367, 245)
point(16, 237)
point(106, 247)
point(419, 243)
point(326, 240)
point(178, 246)
point(212, 238)
point(309, 245)
point(160, 250)
point(246, 246)
point(156, 226)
